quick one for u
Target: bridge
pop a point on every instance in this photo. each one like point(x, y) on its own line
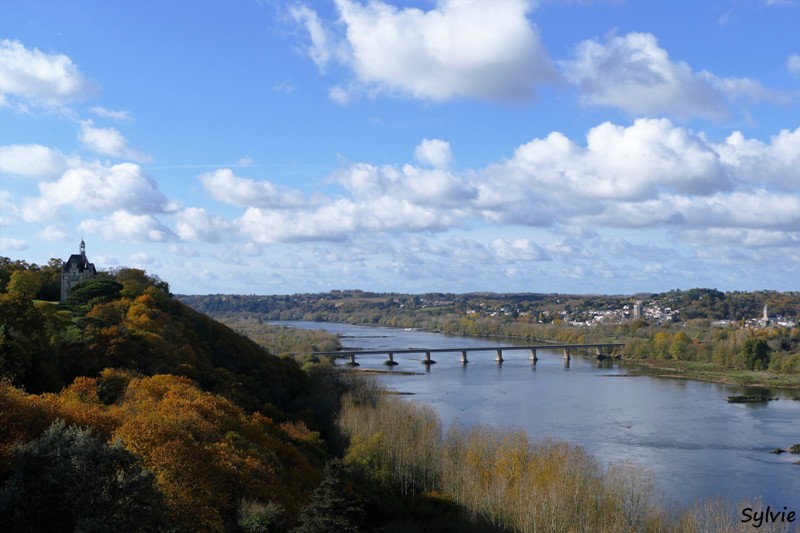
point(390, 353)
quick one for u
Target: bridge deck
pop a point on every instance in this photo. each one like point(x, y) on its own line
point(548, 346)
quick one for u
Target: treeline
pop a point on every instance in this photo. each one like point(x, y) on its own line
point(406, 310)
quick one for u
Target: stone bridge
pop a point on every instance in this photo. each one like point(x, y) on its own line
point(390, 353)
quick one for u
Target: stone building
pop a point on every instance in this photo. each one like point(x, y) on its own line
point(76, 269)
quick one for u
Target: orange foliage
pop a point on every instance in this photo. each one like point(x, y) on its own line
point(206, 452)
point(22, 418)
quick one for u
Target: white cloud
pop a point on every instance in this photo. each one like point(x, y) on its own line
point(225, 186)
point(484, 50)
point(793, 64)
point(32, 160)
point(633, 163)
point(434, 152)
point(340, 219)
point(320, 48)
point(428, 187)
point(39, 78)
point(748, 238)
point(634, 74)
point(650, 174)
point(97, 188)
point(518, 250)
point(194, 224)
point(127, 227)
point(7, 207)
point(119, 116)
point(754, 162)
point(14, 245)
point(107, 141)
point(56, 232)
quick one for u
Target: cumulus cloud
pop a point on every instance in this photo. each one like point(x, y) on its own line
point(194, 224)
point(434, 152)
point(225, 186)
point(33, 160)
point(633, 73)
point(97, 188)
point(633, 163)
point(483, 50)
point(128, 227)
point(339, 219)
point(649, 174)
point(753, 162)
point(39, 78)
point(428, 187)
point(107, 141)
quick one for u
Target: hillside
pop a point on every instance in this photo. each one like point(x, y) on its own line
point(152, 408)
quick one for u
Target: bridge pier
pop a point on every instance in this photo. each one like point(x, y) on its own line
point(566, 354)
point(533, 356)
point(352, 361)
point(428, 360)
point(464, 360)
point(600, 355)
point(390, 361)
point(499, 357)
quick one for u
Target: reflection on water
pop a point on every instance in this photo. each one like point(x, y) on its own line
point(696, 443)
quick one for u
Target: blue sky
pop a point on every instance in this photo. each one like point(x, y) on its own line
point(273, 147)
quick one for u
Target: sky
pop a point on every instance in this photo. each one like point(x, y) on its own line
point(278, 147)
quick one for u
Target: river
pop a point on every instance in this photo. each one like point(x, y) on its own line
point(696, 444)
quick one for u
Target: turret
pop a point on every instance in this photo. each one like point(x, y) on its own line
point(83, 248)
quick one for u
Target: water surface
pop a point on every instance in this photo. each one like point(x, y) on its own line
point(696, 444)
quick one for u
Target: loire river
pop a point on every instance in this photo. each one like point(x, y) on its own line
point(695, 443)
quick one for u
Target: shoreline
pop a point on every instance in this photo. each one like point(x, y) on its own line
point(695, 371)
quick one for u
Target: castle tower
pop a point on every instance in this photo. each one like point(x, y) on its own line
point(76, 269)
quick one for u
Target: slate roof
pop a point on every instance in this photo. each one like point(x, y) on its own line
point(82, 263)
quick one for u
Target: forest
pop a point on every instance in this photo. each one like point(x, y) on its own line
point(125, 410)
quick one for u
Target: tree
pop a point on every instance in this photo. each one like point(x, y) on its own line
point(25, 282)
point(104, 289)
point(331, 508)
point(69, 480)
point(21, 336)
point(755, 353)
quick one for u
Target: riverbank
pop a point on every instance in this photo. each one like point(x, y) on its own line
point(709, 372)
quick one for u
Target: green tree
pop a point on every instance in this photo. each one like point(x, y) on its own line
point(69, 480)
point(103, 289)
point(25, 282)
point(755, 354)
point(331, 507)
point(21, 336)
